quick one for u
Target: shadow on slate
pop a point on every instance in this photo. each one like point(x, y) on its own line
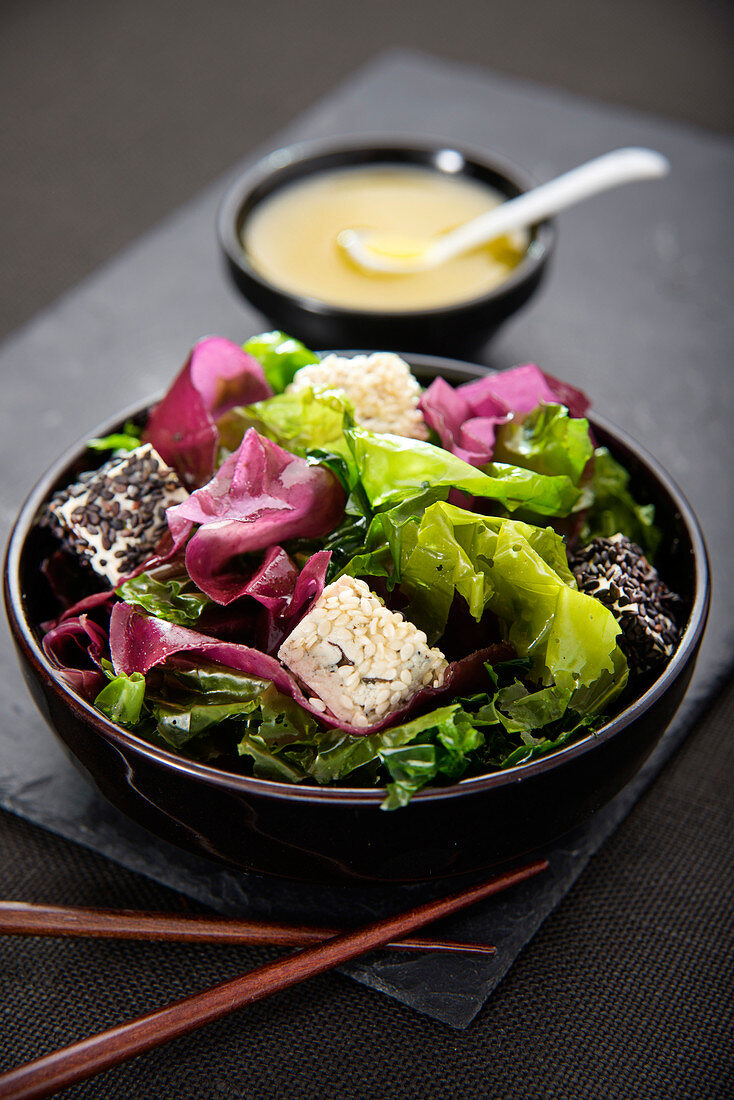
point(663, 269)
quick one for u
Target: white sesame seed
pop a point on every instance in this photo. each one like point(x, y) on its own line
point(324, 652)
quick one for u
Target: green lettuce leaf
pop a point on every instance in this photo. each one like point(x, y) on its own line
point(390, 536)
point(614, 510)
point(392, 468)
point(214, 682)
point(280, 357)
point(300, 421)
point(284, 741)
point(548, 441)
point(191, 700)
point(126, 440)
point(122, 698)
point(522, 711)
point(527, 724)
point(180, 723)
point(176, 599)
point(410, 768)
point(517, 571)
point(437, 551)
point(412, 753)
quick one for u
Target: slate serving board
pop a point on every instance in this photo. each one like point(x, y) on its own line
point(636, 310)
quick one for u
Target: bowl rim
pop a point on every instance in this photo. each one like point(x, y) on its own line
point(428, 364)
point(290, 157)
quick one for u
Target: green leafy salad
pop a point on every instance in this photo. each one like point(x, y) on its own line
point(312, 570)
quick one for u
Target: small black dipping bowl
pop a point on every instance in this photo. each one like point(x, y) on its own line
point(461, 328)
point(339, 834)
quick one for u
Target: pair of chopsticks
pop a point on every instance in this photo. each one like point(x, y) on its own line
point(64, 1067)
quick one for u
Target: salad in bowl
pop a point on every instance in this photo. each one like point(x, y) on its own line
point(312, 570)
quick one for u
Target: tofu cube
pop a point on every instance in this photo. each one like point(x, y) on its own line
point(114, 517)
point(380, 387)
point(359, 659)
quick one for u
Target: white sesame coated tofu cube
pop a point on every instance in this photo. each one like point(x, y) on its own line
point(114, 517)
point(380, 387)
point(358, 658)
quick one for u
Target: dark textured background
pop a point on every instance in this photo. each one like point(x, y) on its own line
point(112, 115)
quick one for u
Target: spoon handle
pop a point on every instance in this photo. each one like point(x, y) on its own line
point(609, 170)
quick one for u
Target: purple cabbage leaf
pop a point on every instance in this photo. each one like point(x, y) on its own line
point(217, 376)
point(76, 647)
point(466, 419)
point(260, 496)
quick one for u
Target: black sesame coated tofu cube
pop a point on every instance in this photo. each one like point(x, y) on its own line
point(114, 517)
point(616, 572)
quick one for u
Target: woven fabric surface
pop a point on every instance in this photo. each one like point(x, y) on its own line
point(626, 992)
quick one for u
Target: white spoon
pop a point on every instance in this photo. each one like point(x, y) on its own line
point(400, 255)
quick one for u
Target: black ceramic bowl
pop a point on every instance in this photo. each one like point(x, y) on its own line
point(459, 328)
point(329, 834)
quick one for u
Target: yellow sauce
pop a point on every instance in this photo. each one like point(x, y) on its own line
point(290, 237)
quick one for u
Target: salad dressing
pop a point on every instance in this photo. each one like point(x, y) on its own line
point(290, 237)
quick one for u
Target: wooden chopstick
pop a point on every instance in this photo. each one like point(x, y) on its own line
point(64, 1067)
point(19, 918)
